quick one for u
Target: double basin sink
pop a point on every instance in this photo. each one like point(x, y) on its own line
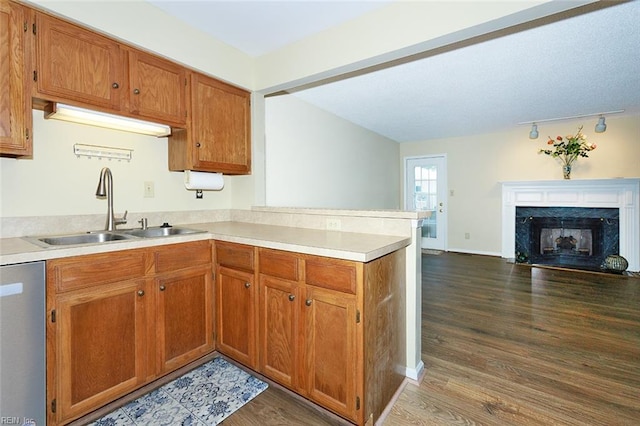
point(99, 237)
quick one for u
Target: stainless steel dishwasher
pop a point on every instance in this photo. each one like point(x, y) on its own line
point(22, 344)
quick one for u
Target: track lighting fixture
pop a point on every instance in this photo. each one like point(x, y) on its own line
point(601, 126)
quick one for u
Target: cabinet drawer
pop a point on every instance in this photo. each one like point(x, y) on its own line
point(235, 256)
point(180, 256)
point(334, 274)
point(278, 264)
point(85, 271)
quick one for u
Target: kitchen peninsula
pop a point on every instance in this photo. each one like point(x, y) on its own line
point(365, 272)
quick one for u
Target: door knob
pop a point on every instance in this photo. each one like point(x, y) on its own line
point(141, 293)
point(162, 288)
point(291, 298)
point(247, 285)
point(136, 91)
point(307, 302)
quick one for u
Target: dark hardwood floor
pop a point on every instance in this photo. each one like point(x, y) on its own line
point(507, 344)
point(513, 344)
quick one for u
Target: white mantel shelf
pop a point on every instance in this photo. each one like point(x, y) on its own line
point(621, 193)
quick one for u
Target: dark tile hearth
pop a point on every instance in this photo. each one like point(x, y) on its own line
point(573, 237)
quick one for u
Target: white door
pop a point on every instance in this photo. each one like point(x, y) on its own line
point(426, 189)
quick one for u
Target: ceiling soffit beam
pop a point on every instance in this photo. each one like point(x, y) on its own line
point(301, 66)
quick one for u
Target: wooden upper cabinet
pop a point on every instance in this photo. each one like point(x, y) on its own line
point(80, 66)
point(218, 138)
point(15, 96)
point(157, 88)
point(77, 65)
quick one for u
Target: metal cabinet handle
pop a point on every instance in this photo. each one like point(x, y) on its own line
point(197, 144)
point(307, 302)
point(115, 85)
point(292, 298)
point(140, 292)
point(162, 288)
point(136, 91)
point(247, 285)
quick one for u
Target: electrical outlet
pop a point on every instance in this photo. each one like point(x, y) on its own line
point(334, 224)
point(467, 236)
point(148, 190)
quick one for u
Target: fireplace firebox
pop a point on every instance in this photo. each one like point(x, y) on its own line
point(575, 237)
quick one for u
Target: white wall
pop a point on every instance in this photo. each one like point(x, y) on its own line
point(56, 182)
point(477, 164)
point(316, 159)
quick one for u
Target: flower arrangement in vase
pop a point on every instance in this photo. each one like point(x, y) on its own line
point(568, 149)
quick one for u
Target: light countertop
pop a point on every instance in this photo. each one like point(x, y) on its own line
point(358, 247)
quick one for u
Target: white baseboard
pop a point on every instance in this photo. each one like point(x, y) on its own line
point(415, 374)
point(482, 252)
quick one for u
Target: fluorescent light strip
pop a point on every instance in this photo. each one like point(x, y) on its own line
point(100, 119)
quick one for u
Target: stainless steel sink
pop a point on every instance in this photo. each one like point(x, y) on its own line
point(78, 239)
point(110, 236)
point(159, 231)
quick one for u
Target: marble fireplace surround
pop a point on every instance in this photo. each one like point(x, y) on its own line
point(620, 193)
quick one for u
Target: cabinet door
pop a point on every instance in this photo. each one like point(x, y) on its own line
point(235, 310)
point(184, 317)
point(15, 96)
point(279, 325)
point(100, 345)
point(331, 350)
point(157, 88)
point(220, 126)
point(74, 64)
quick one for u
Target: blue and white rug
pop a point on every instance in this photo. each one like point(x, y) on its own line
point(204, 396)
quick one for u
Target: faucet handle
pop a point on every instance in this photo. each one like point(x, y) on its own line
point(121, 220)
point(143, 222)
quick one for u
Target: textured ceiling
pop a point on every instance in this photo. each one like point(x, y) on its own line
point(581, 65)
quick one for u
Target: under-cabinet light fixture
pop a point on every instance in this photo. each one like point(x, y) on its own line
point(100, 119)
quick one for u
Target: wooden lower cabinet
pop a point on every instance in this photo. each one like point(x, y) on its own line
point(184, 326)
point(333, 330)
point(236, 302)
point(333, 338)
point(119, 320)
point(279, 333)
point(101, 344)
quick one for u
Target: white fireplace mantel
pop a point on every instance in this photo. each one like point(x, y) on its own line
point(615, 193)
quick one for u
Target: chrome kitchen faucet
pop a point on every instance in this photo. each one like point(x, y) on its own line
point(105, 189)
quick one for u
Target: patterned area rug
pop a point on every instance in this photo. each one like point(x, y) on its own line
point(204, 396)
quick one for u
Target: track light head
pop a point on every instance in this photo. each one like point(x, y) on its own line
point(533, 134)
point(601, 126)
